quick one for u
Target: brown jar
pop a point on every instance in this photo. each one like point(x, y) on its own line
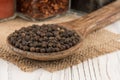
point(41, 9)
point(7, 10)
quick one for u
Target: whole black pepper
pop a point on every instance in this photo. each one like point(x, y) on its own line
point(32, 49)
point(44, 39)
point(23, 34)
point(37, 49)
point(17, 45)
point(42, 50)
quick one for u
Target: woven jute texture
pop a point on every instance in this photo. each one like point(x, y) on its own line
point(98, 43)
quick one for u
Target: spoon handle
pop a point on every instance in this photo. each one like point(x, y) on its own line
point(97, 19)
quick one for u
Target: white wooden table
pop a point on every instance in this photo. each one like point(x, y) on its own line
point(105, 67)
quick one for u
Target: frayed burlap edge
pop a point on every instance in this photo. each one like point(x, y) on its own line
point(96, 44)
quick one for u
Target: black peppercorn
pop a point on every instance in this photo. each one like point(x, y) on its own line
point(42, 50)
point(23, 34)
point(32, 49)
point(44, 39)
point(37, 49)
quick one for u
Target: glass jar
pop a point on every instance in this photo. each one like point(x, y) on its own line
point(7, 10)
point(89, 5)
point(41, 9)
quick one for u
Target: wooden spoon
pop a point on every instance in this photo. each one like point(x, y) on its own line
point(83, 26)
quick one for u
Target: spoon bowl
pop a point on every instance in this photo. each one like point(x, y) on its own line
point(46, 56)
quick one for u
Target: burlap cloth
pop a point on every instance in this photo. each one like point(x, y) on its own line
point(98, 43)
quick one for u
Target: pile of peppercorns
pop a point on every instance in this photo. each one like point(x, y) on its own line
point(44, 39)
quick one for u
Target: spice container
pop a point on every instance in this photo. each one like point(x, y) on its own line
point(41, 9)
point(89, 5)
point(7, 10)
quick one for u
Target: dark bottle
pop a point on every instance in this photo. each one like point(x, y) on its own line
point(89, 5)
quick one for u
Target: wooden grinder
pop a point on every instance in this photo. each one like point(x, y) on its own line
point(83, 26)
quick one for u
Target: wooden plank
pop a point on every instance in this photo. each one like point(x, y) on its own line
point(86, 70)
point(56, 75)
point(3, 70)
point(9, 71)
point(67, 73)
point(45, 75)
point(92, 70)
point(115, 27)
point(75, 73)
point(113, 66)
point(62, 75)
point(81, 72)
point(17, 74)
point(103, 69)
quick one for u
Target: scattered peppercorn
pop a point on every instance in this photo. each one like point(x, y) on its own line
point(44, 39)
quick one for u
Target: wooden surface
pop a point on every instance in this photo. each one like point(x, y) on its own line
point(105, 67)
